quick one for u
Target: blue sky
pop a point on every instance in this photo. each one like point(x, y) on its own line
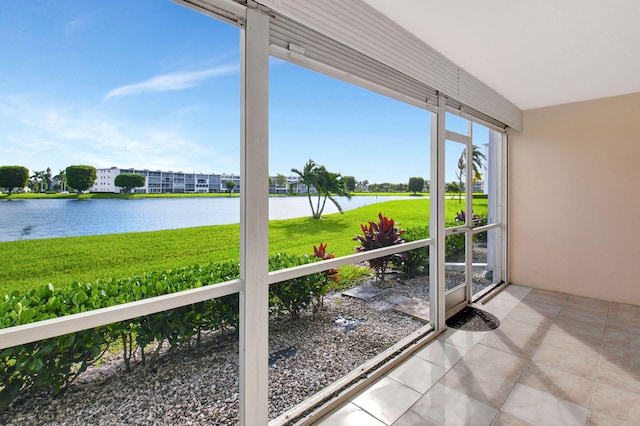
point(151, 84)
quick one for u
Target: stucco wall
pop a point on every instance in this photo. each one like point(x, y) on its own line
point(574, 187)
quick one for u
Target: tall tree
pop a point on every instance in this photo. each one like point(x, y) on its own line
point(80, 177)
point(230, 185)
point(129, 181)
point(62, 178)
point(13, 177)
point(39, 180)
point(477, 158)
point(416, 184)
point(281, 181)
point(327, 185)
point(350, 182)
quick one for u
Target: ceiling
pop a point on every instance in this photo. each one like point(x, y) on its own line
point(534, 53)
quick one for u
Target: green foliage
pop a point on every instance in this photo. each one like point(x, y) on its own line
point(416, 184)
point(350, 183)
point(384, 233)
point(52, 364)
point(129, 181)
point(13, 177)
point(414, 262)
point(230, 185)
point(80, 177)
point(326, 184)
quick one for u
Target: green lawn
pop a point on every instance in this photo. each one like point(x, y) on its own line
point(61, 261)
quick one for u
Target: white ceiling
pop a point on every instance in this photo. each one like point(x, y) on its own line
point(537, 52)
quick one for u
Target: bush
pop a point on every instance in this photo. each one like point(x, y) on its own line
point(52, 364)
point(414, 262)
point(384, 233)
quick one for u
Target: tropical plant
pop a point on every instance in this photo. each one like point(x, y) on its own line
point(416, 184)
point(13, 177)
point(477, 158)
point(80, 177)
point(39, 181)
point(129, 181)
point(326, 185)
point(384, 233)
point(320, 252)
point(475, 219)
point(62, 178)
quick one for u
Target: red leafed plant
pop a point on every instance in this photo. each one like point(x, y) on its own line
point(321, 253)
point(378, 235)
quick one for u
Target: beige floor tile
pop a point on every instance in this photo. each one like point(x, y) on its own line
point(445, 406)
point(515, 337)
point(622, 338)
point(545, 296)
point(482, 385)
point(626, 325)
point(441, 353)
point(599, 419)
point(513, 293)
point(498, 307)
point(412, 419)
point(495, 361)
point(387, 399)
point(569, 319)
point(542, 408)
point(568, 342)
point(538, 314)
point(349, 415)
point(587, 303)
point(462, 339)
point(579, 331)
point(417, 373)
point(558, 383)
point(505, 419)
point(583, 317)
point(616, 402)
point(583, 364)
point(624, 312)
point(624, 374)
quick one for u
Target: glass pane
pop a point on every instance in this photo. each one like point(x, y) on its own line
point(328, 137)
point(174, 367)
point(109, 85)
point(455, 178)
point(323, 129)
point(455, 262)
point(486, 175)
point(455, 123)
point(360, 316)
point(486, 260)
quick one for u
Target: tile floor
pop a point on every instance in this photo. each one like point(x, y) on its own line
point(556, 359)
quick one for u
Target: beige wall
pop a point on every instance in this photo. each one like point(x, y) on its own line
point(574, 187)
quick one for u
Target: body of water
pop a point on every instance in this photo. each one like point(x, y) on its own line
point(50, 218)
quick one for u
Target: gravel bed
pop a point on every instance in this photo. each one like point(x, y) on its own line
point(199, 385)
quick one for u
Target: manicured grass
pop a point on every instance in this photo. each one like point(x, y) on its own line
point(61, 261)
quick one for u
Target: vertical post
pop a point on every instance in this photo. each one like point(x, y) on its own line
point(254, 221)
point(436, 225)
point(468, 255)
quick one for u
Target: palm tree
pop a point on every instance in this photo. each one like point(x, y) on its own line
point(326, 185)
point(38, 180)
point(477, 158)
point(62, 178)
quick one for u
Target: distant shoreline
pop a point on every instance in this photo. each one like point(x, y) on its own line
point(97, 195)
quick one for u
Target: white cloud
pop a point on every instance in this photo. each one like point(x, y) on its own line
point(172, 81)
point(40, 135)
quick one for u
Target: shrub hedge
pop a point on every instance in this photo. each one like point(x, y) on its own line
point(52, 364)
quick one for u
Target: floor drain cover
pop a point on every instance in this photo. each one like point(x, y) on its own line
point(473, 319)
